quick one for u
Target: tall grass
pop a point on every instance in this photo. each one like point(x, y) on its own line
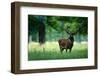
point(51, 51)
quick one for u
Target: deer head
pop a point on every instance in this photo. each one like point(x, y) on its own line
point(72, 33)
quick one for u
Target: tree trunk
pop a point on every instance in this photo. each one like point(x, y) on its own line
point(41, 33)
point(42, 30)
point(78, 37)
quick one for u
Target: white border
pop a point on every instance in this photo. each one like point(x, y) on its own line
point(25, 64)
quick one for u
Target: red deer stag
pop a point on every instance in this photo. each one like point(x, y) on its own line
point(67, 43)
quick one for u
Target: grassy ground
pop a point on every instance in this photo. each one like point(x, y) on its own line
point(51, 51)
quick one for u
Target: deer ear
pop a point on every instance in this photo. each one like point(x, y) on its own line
point(73, 33)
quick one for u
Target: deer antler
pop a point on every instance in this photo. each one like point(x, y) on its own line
point(80, 25)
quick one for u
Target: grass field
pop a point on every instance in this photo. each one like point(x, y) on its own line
point(51, 51)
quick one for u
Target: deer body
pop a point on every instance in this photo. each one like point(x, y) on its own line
point(69, 42)
point(66, 43)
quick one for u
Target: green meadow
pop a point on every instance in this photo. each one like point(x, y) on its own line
point(50, 51)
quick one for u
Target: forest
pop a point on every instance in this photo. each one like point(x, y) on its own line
point(45, 31)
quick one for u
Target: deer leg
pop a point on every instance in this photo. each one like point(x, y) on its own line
point(70, 49)
point(61, 50)
point(66, 50)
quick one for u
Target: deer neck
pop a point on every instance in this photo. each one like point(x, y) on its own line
point(71, 38)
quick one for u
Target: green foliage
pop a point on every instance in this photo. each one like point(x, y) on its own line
point(56, 26)
point(60, 23)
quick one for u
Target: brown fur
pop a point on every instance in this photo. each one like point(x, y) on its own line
point(65, 44)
